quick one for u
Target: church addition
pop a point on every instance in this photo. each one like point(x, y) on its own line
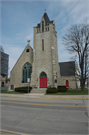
point(40, 64)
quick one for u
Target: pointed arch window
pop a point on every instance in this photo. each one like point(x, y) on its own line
point(26, 72)
point(43, 74)
point(42, 44)
point(42, 25)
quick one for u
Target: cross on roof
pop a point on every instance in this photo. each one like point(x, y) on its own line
point(28, 41)
point(45, 10)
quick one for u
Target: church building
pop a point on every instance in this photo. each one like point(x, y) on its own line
point(39, 64)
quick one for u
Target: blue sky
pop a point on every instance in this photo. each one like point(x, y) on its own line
point(18, 17)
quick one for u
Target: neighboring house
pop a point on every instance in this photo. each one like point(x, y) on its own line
point(4, 60)
point(39, 64)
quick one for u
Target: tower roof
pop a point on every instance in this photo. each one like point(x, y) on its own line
point(46, 18)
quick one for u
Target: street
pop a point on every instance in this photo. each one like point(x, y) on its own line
point(44, 116)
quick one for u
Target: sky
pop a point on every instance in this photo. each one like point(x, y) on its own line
point(18, 17)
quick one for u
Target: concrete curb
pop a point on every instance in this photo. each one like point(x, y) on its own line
point(42, 96)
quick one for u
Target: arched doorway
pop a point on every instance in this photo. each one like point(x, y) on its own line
point(67, 83)
point(43, 80)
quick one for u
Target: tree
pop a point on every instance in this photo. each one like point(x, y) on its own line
point(76, 42)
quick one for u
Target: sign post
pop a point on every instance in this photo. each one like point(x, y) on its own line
point(28, 80)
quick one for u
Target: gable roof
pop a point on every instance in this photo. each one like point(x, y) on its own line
point(67, 68)
point(24, 51)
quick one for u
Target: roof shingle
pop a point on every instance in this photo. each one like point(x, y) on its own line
point(67, 68)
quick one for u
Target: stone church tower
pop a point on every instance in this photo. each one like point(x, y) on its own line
point(45, 69)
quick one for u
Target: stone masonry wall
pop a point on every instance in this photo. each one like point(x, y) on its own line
point(47, 60)
point(16, 73)
point(42, 60)
point(71, 80)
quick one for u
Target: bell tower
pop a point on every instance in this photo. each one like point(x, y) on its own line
point(45, 71)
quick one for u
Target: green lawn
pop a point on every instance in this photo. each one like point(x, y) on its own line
point(10, 92)
point(71, 92)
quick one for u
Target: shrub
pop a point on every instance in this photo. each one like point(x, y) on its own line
point(23, 89)
point(62, 88)
point(52, 90)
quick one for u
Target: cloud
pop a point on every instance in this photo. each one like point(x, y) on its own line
point(79, 13)
point(70, 11)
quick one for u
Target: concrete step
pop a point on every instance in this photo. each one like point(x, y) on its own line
point(38, 90)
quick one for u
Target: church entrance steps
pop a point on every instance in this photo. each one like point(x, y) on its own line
point(38, 90)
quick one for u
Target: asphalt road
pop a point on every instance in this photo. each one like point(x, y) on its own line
point(44, 116)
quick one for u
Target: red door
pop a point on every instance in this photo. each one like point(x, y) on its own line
point(67, 83)
point(43, 82)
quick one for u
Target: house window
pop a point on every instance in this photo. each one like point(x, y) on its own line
point(12, 87)
point(42, 44)
point(55, 80)
point(26, 72)
point(42, 25)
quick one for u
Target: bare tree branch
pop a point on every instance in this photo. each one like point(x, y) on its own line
point(77, 41)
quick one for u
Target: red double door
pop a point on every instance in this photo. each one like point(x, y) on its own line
point(43, 82)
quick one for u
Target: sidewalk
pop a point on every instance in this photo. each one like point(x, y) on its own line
point(42, 96)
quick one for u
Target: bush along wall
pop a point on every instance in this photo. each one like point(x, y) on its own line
point(62, 88)
point(23, 89)
point(52, 90)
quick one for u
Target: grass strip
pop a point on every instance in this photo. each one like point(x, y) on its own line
point(71, 92)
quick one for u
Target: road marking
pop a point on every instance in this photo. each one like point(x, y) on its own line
point(64, 98)
point(44, 104)
point(17, 133)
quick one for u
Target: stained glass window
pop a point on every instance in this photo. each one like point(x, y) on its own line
point(26, 72)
